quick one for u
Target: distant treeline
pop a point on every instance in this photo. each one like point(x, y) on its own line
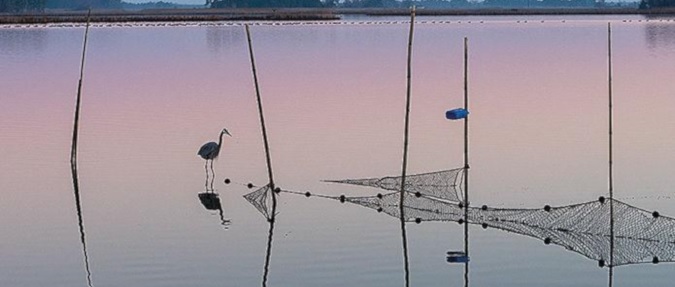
point(540, 3)
point(156, 5)
point(41, 5)
point(13, 6)
point(408, 3)
point(264, 3)
point(645, 4)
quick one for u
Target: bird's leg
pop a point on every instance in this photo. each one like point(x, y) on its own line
point(213, 178)
point(206, 172)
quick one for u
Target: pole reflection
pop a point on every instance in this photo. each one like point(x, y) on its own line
point(264, 200)
point(80, 221)
point(268, 252)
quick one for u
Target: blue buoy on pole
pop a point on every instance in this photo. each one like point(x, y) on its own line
point(456, 114)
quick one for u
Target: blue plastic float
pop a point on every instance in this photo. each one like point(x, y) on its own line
point(456, 114)
point(457, 257)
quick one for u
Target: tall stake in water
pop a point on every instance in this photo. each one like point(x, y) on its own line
point(267, 157)
point(76, 121)
point(73, 155)
point(260, 109)
point(611, 155)
point(466, 160)
point(405, 147)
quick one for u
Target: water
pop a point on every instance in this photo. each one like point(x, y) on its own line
point(334, 98)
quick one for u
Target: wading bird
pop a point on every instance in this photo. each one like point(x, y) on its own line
point(210, 150)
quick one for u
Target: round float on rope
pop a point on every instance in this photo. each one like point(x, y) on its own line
point(227, 181)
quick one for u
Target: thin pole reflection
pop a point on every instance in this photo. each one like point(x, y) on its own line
point(466, 264)
point(268, 252)
point(611, 276)
point(261, 199)
point(80, 221)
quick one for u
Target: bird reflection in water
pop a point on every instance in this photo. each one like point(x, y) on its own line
point(211, 201)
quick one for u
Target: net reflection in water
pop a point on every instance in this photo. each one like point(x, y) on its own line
point(640, 236)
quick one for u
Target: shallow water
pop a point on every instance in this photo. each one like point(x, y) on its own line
point(334, 97)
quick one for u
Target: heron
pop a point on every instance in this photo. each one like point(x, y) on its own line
point(210, 150)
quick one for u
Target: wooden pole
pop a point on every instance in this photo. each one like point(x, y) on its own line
point(76, 121)
point(611, 154)
point(466, 159)
point(260, 110)
point(73, 154)
point(405, 148)
point(268, 158)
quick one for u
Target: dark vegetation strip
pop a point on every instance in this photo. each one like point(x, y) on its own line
point(512, 11)
point(172, 15)
point(297, 14)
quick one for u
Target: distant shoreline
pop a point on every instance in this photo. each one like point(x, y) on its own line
point(297, 14)
point(515, 11)
point(171, 15)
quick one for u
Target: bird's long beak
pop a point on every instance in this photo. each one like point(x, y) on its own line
point(226, 132)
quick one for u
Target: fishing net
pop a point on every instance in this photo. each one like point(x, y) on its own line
point(441, 184)
point(639, 236)
point(261, 200)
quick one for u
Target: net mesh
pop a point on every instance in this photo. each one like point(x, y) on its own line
point(640, 236)
point(440, 184)
point(261, 200)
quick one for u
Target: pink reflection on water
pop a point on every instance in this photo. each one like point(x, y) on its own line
point(333, 97)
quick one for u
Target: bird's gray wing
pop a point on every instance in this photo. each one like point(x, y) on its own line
point(207, 149)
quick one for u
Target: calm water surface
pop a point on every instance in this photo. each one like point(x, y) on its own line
point(334, 101)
